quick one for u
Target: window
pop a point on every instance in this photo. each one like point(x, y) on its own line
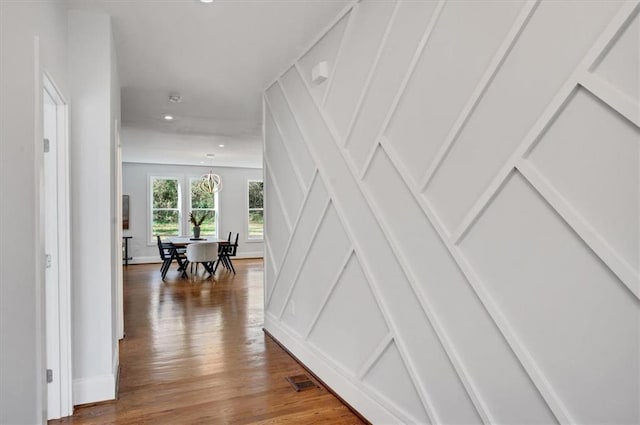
point(165, 206)
point(202, 202)
point(256, 210)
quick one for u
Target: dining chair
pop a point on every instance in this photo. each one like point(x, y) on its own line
point(231, 251)
point(227, 251)
point(205, 253)
point(168, 253)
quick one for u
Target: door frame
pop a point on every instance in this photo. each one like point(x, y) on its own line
point(64, 380)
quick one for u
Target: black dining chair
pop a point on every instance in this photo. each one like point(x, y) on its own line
point(168, 253)
point(230, 250)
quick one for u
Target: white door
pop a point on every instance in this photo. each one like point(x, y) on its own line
point(56, 242)
point(51, 250)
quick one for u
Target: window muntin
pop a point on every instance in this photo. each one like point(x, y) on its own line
point(255, 222)
point(203, 202)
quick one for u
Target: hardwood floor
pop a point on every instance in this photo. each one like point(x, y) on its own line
point(195, 353)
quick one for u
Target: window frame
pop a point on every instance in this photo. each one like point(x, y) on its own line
point(151, 209)
point(189, 180)
point(248, 210)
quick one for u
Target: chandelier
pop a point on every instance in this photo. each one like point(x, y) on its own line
point(211, 183)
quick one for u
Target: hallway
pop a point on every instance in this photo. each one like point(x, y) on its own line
point(195, 352)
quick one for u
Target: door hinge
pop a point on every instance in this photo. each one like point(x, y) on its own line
point(47, 146)
point(49, 376)
point(47, 261)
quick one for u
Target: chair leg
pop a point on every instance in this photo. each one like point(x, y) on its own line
point(225, 261)
point(231, 265)
point(184, 269)
point(165, 268)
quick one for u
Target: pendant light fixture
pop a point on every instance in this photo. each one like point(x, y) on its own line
point(211, 182)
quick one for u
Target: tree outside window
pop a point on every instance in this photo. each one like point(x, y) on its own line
point(256, 210)
point(165, 206)
point(203, 202)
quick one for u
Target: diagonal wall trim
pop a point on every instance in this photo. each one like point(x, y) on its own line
point(295, 228)
point(414, 61)
point(269, 256)
point(375, 355)
point(522, 354)
point(374, 284)
point(348, 8)
point(546, 119)
point(346, 385)
point(589, 235)
point(493, 68)
point(391, 405)
point(617, 100)
point(347, 31)
point(347, 191)
point(372, 71)
point(304, 258)
point(436, 323)
point(635, 9)
point(287, 149)
point(341, 268)
point(274, 182)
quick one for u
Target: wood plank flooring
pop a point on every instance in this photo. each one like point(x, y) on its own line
point(195, 353)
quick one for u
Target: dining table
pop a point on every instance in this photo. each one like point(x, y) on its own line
point(179, 242)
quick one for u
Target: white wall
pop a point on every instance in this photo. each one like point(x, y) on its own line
point(22, 386)
point(94, 96)
point(453, 216)
point(232, 203)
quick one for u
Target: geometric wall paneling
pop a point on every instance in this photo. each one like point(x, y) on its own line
point(290, 133)
point(580, 76)
point(281, 166)
point(351, 310)
point(407, 27)
point(313, 210)
point(325, 50)
point(602, 150)
point(426, 359)
point(620, 66)
point(270, 275)
point(369, 20)
point(276, 220)
point(475, 344)
point(324, 257)
point(457, 54)
point(568, 310)
point(494, 130)
point(476, 165)
point(389, 372)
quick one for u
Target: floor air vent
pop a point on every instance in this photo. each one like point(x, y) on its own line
point(301, 382)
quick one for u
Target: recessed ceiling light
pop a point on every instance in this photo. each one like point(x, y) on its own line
point(168, 117)
point(222, 146)
point(206, 1)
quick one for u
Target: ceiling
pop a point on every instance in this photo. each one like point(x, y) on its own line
point(218, 56)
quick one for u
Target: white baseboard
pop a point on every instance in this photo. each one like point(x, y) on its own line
point(348, 390)
point(155, 259)
point(94, 389)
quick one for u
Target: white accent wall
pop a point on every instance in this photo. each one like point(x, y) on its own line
point(232, 201)
point(453, 217)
